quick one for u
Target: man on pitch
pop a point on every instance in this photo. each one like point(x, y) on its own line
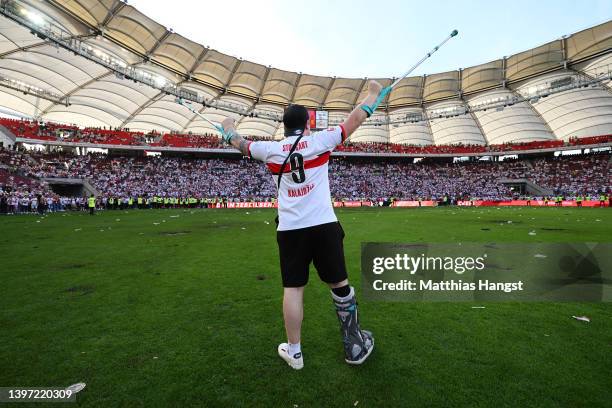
point(308, 230)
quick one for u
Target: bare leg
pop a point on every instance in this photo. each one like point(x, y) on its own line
point(293, 311)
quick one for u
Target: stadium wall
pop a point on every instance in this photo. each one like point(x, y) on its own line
point(533, 203)
point(7, 139)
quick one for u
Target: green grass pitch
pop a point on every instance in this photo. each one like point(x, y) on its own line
point(167, 308)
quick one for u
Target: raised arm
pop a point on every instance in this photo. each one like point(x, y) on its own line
point(376, 93)
point(232, 137)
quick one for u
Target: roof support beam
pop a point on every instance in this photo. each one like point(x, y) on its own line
point(422, 94)
point(145, 105)
point(589, 76)
point(261, 88)
point(356, 99)
point(467, 108)
point(27, 91)
point(20, 49)
point(76, 89)
point(428, 124)
point(158, 44)
point(190, 121)
point(327, 91)
point(478, 124)
point(42, 43)
point(564, 48)
point(256, 100)
point(534, 110)
point(200, 111)
point(119, 5)
point(295, 86)
point(263, 83)
point(197, 62)
point(231, 77)
point(226, 84)
point(142, 107)
point(276, 129)
point(242, 117)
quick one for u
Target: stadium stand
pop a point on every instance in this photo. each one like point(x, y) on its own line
point(351, 179)
point(99, 98)
point(50, 131)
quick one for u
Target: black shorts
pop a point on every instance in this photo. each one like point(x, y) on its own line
point(322, 245)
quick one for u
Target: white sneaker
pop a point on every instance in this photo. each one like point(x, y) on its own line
point(296, 361)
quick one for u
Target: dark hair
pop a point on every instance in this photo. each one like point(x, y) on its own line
point(295, 118)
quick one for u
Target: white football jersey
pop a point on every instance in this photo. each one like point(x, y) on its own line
point(304, 199)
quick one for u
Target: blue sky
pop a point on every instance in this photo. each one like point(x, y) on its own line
point(360, 38)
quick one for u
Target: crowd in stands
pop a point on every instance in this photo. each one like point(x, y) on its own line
point(206, 141)
point(424, 181)
point(19, 193)
point(36, 130)
point(69, 133)
point(378, 147)
point(536, 144)
point(577, 141)
point(571, 175)
point(123, 178)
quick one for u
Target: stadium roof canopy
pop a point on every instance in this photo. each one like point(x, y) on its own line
point(119, 33)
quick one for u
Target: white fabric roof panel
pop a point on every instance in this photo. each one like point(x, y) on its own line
point(407, 91)
point(364, 90)
point(248, 79)
point(280, 86)
point(86, 113)
point(443, 85)
point(163, 112)
point(216, 68)
point(257, 127)
point(279, 134)
point(216, 115)
point(119, 30)
point(13, 37)
point(18, 101)
point(93, 11)
point(177, 52)
point(342, 93)
point(597, 66)
point(517, 123)
point(530, 62)
point(48, 11)
point(418, 133)
point(53, 71)
point(454, 130)
point(311, 90)
point(135, 30)
point(590, 41)
point(482, 76)
point(371, 133)
point(575, 113)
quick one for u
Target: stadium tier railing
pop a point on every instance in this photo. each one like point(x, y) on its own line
point(531, 203)
point(50, 133)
